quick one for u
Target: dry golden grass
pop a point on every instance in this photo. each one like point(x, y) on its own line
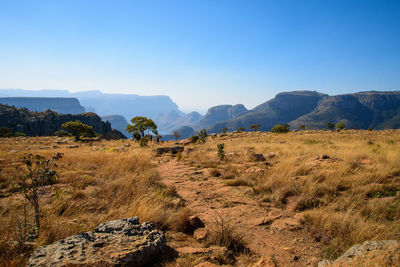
point(348, 198)
point(98, 182)
point(345, 199)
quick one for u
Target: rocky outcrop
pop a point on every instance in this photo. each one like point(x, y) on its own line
point(118, 122)
point(219, 114)
point(370, 253)
point(47, 122)
point(123, 242)
point(63, 105)
point(284, 108)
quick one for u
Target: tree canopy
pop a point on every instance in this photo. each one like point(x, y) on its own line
point(78, 129)
point(141, 127)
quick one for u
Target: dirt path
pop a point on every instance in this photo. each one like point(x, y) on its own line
point(267, 231)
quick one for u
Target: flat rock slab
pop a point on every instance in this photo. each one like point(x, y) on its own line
point(115, 243)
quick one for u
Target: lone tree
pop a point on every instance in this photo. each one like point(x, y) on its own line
point(255, 127)
point(224, 130)
point(141, 127)
point(78, 129)
point(302, 127)
point(330, 125)
point(341, 126)
point(202, 136)
point(280, 128)
point(240, 129)
point(31, 181)
point(176, 134)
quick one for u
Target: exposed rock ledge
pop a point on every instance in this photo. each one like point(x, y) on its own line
point(370, 253)
point(115, 243)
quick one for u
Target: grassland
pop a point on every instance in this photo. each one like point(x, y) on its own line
point(344, 184)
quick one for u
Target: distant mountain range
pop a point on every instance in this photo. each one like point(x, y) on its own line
point(63, 105)
point(376, 110)
point(47, 122)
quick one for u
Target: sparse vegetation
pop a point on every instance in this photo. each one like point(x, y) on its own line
point(254, 127)
point(221, 152)
point(344, 186)
point(341, 126)
point(240, 129)
point(31, 181)
point(280, 128)
point(202, 136)
point(330, 126)
point(176, 134)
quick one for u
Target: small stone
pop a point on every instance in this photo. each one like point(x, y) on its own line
point(200, 234)
point(256, 157)
point(265, 262)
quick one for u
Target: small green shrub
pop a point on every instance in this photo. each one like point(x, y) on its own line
point(202, 136)
point(341, 126)
point(221, 152)
point(20, 134)
point(280, 128)
point(6, 132)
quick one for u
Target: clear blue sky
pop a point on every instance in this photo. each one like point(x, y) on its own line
point(201, 53)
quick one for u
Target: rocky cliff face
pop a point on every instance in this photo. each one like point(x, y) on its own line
point(127, 105)
point(219, 114)
point(64, 105)
point(118, 122)
point(377, 110)
point(46, 123)
point(284, 108)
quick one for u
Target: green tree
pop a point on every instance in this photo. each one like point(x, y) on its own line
point(255, 127)
point(240, 129)
point(221, 152)
point(341, 126)
point(280, 128)
point(302, 127)
point(78, 129)
point(31, 181)
point(6, 132)
point(141, 127)
point(224, 130)
point(330, 125)
point(202, 135)
point(176, 134)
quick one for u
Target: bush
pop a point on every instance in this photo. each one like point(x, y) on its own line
point(203, 136)
point(61, 133)
point(240, 129)
point(340, 126)
point(221, 153)
point(6, 132)
point(280, 128)
point(330, 125)
point(20, 134)
point(144, 141)
point(78, 129)
point(194, 138)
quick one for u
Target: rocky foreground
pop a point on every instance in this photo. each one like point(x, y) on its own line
point(114, 243)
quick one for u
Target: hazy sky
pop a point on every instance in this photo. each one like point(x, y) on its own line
point(201, 53)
